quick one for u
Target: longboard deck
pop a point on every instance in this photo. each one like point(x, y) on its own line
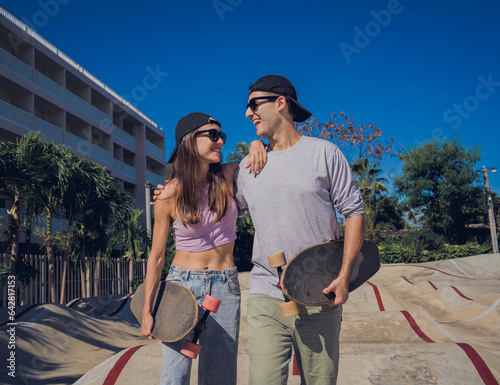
point(311, 270)
point(175, 311)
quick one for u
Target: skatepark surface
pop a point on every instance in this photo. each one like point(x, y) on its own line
point(429, 323)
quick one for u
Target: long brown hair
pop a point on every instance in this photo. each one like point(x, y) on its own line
point(187, 172)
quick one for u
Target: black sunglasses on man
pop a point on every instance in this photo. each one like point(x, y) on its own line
point(252, 104)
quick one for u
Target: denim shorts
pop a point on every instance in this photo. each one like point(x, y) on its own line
point(219, 340)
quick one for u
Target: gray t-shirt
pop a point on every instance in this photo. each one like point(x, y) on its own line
point(292, 203)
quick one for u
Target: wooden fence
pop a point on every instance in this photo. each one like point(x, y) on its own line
point(113, 279)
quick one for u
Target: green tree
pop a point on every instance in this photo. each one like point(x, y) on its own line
point(133, 238)
point(244, 243)
point(388, 213)
point(47, 195)
point(438, 180)
point(100, 201)
point(244, 227)
point(24, 167)
point(240, 151)
point(372, 187)
point(367, 179)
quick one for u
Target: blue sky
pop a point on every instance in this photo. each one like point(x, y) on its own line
point(416, 69)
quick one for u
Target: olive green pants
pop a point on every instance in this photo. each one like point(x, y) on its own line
point(314, 335)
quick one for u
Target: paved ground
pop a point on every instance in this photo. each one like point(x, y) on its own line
point(432, 323)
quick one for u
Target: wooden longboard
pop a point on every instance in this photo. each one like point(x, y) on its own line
point(311, 270)
point(175, 311)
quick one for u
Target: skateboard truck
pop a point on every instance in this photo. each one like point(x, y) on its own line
point(191, 348)
point(277, 260)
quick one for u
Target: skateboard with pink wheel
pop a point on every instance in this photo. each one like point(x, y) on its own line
point(303, 278)
point(175, 314)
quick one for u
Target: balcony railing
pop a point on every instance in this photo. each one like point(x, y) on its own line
point(25, 119)
point(15, 65)
point(49, 85)
point(15, 115)
point(155, 150)
point(38, 221)
point(81, 146)
point(77, 102)
point(127, 138)
point(154, 178)
point(117, 132)
point(130, 171)
point(49, 130)
point(101, 154)
point(118, 166)
point(99, 115)
point(59, 224)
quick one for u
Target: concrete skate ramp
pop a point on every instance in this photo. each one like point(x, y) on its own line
point(56, 344)
point(430, 323)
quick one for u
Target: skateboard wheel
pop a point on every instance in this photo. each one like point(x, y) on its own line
point(211, 303)
point(190, 349)
point(276, 259)
point(289, 309)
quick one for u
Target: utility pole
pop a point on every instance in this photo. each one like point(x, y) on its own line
point(491, 214)
point(148, 209)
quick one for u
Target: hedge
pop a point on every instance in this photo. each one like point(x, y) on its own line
point(392, 252)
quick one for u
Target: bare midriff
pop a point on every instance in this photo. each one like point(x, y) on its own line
point(218, 258)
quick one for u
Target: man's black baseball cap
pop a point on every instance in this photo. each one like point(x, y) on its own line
point(280, 85)
point(189, 123)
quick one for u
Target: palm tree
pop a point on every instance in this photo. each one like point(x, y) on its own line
point(371, 187)
point(54, 179)
point(366, 178)
point(133, 238)
point(21, 170)
point(113, 208)
point(92, 200)
point(240, 151)
point(48, 196)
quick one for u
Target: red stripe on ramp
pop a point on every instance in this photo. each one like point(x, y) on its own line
point(433, 286)
point(415, 327)
point(407, 280)
point(460, 293)
point(432, 268)
point(481, 367)
point(377, 295)
point(114, 373)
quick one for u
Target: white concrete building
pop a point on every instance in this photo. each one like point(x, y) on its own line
point(42, 89)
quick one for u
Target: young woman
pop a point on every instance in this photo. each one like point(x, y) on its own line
point(198, 203)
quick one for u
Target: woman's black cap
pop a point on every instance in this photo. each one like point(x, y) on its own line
point(185, 125)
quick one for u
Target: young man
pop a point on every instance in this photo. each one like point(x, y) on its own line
point(292, 203)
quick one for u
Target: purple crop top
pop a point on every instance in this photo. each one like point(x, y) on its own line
point(206, 234)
